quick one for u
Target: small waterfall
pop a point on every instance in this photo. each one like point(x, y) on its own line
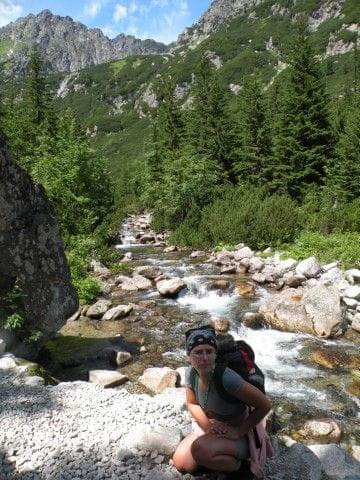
point(199, 298)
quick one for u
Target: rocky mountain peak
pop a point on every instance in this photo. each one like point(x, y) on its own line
point(66, 44)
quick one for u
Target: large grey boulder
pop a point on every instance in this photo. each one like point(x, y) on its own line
point(148, 271)
point(295, 463)
point(32, 255)
point(336, 462)
point(157, 379)
point(98, 309)
point(171, 287)
point(309, 268)
point(107, 378)
point(115, 313)
point(314, 310)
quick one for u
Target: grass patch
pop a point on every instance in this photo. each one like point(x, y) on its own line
point(117, 66)
point(344, 247)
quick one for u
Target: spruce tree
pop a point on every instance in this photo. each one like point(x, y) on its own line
point(211, 132)
point(36, 90)
point(344, 175)
point(254, 134)
point(303, 139)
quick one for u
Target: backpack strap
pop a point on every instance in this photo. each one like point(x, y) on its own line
point(194, 378)
point(218, 382)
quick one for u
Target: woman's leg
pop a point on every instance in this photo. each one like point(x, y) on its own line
point(183, 459)
point(216, 453)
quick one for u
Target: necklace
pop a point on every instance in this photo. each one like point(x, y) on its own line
point(208, 389)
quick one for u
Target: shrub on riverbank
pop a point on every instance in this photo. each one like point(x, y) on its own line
point(243, 214)
point(344, 247)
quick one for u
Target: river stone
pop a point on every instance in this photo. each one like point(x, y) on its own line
point(98, 309)
point(221, 325)
point(244, 252)
point(220, 284)
point(147, 238)
point(141, 282)
point(147, 303)
point(332, 276)
point(34, 381)
point(107, 378)
point(129, 285)
point(224, 258)
point(120, 311)
point(350, 302)
point(256, 264)
point(353, 292)
point(170, 249)
point(293, 280)
point(355, 452)
point(162, 439)
point(227, 269)
point(353, 274)
point(285, 311)
point(355, 324)
point(337, 463)
point(148, 271)
point(122, 357)
point(253, 320)
point(258, 278)
point(171, 287)
point(7, 362)
point(198, 254)
point(325, 428)
point(98, 267)
point(309, 268)
point(244, 289)
point(353, 387)
point(331, 358)
point(284, 266)
point(128, 256)
point(295, 463)
point(322, 306)
point(2, 346)
point(157, 379)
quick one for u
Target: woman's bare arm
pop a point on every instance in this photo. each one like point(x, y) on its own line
point(196, 411)
point(259, 402)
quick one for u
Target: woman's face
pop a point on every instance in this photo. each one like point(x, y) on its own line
point(202, 358)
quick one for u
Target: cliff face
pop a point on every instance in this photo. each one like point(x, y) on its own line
point(66, 45)
point(31, 255)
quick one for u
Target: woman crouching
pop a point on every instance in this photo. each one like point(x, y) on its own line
point(221, 430)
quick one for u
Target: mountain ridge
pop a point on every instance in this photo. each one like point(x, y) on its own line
point(66, 44)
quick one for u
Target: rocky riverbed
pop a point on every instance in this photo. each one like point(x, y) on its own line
point(78, 429)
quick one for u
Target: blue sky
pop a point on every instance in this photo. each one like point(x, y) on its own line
point(161, 20)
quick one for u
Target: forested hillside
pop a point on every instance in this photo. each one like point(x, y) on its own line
point(248, 133)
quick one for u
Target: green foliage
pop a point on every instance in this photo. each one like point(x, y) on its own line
point(327, 248)
point(34, 336)
point(123, 268)
point(75, 180)
point(13, 322)
point(302, 143)
point(344, 173)
point(87, 288)
point(254, 134)
point(246, 214)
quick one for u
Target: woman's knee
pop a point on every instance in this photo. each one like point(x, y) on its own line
point(200, 451)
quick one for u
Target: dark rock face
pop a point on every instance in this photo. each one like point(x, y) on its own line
point(66, 45)
point(31, 254)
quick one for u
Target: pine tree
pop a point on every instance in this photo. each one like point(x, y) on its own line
point(303, 140)
point(36, 90)
point(254, 134)
point(344, 176)
point(211, 131)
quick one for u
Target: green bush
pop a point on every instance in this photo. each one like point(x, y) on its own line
point(327, 248)
point(320, 213)
point(88, 289)
point(246, 214)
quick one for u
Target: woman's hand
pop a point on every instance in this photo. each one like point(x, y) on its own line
point(222, 429)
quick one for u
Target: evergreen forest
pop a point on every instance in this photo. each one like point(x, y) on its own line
point(277, 165)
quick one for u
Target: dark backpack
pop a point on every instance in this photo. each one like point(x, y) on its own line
point(238, 356)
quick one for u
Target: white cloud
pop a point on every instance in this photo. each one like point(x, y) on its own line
point(120, 12)
point(159, 3)
point(9, 11)
point(93, 8)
